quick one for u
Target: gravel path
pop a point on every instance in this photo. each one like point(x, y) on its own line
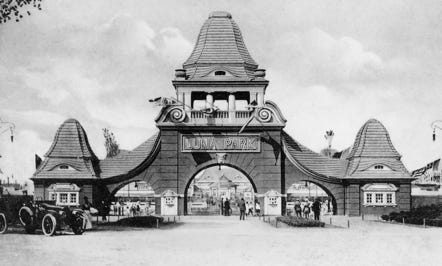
point(227, 241)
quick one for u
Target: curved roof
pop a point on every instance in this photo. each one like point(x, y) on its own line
point(220, 43)
point(70, 147)
point(313, 162)
point(126, 161)
point(70, 141)
point(373, 140)
point(373, 146)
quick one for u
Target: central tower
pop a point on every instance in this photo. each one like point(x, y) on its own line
point(220, 84)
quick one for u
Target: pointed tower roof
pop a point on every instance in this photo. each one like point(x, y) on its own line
point(373, 147)
point(220, 46)
point(70, 142)
point(70, 155)
point(373, 140)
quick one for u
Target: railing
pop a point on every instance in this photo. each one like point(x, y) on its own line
point(219, 117)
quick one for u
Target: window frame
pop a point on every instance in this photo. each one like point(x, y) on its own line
point(387, 194)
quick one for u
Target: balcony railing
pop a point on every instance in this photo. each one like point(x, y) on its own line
point(219, 117)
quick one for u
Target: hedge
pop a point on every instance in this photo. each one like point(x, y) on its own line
point(299, 222)
point(432, 215)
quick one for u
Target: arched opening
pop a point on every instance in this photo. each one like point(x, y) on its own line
point(135, 198)
point(306, 192)
point(210, 188)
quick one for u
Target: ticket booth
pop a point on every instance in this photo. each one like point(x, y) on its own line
point(169, 203)
point(272, 203)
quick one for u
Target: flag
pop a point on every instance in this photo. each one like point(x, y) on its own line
point(421, 171)
point(37, 161)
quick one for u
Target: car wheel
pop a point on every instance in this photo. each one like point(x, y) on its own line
point(3, 223)
point(49, 224)
point(77, 226)
point(26, 217)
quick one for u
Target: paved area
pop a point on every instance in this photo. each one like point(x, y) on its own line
point(222, 240)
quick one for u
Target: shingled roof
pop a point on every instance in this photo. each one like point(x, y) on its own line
point(220, 45)
point(372, 147)
point(70, 148)
point(70, 141)
point(311, 161)
point(126, 161)
point(373, 140)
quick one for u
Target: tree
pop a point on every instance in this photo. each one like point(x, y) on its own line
point(112, 147)
point(15, 9)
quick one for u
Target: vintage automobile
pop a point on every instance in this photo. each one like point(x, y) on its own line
point(9, 207)
point(51, 218)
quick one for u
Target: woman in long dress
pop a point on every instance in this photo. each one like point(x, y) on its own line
point(87, 210)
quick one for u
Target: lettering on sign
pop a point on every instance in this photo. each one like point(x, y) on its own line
point(221, 143)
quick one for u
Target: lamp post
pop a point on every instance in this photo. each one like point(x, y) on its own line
point(437, 124)
point(7, 126)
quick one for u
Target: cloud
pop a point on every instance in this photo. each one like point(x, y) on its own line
point(316, 56)
point(18, 157)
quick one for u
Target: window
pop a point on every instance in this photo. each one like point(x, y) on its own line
point(64, 167)
point(368, 198)
point(379, 198)
point(170, 200)
point(53, 196)
point(378, 167)
point(389, 198)
point(220, 73)
point(379, 194)
point(273, 201)
point(63, 198)
point(73, 198)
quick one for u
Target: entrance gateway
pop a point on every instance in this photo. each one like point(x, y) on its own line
point(221, 119)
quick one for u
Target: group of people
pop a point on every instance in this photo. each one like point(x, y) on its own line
point(245, 208)
point(306, 208)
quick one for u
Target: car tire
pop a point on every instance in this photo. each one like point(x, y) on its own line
point(26, 217)
point(77, 226)
point(49, 224)
point(3, 223)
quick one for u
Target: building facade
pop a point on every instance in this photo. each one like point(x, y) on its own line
point(221, 116)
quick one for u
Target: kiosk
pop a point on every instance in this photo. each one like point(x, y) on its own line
point(169, 203)
point(272, 203)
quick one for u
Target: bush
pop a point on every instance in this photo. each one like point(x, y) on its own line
point(299, 222)
point(140, 221)
point(432, 215)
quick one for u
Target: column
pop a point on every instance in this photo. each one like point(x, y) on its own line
point(232, 107)
point(187, 102)
point(260, 99)
point(209, 100)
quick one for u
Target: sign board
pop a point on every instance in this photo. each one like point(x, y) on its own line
point(221, 143)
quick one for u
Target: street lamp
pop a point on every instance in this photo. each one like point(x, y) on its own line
point(436, 125)
point(7, 126)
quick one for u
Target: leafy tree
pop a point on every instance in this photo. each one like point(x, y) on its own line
point(112, 147)
point(16, 9)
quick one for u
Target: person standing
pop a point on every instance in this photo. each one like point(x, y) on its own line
point(306, 210)
point(227, 207)
point(316, 209)
point(257, 208)
point(242, 209)
point(250, 209)
point(298, 208)
point(86, 207)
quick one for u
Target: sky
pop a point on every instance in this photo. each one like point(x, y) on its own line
point(331, 65)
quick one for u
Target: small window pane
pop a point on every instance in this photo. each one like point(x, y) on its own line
point(389, 198)
point(379, 198)
point(63, 197)
point(73, 198)
point(369, 198)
